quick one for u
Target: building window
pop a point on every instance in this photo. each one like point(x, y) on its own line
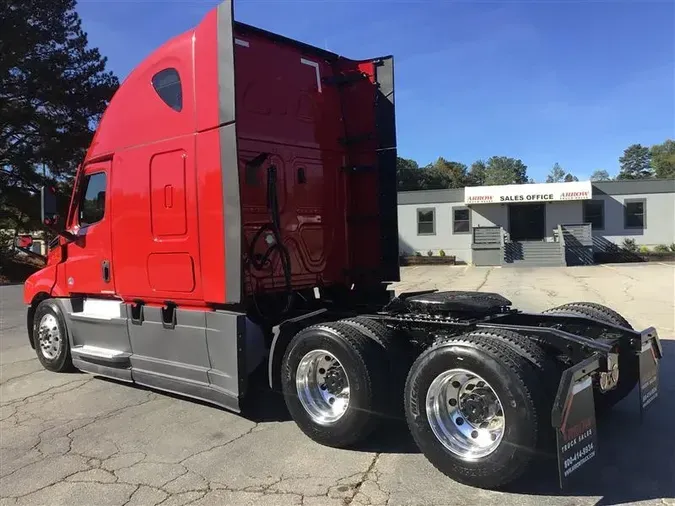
point(635, 213)
point(167, 85)
point(92, 205)
point(461, 220)
point(594, 213)
point(426, 221)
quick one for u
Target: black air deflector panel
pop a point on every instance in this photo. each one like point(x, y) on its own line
point(439, 302)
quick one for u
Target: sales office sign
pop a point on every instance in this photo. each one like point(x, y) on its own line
point(521, 193)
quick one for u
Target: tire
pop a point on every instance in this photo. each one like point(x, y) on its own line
point(49, 319)
point(399, 359)
point(603, 312)
point(629, 363)
point(364, 364)
point(548, 372)
point(522, 396)
point(530, 350)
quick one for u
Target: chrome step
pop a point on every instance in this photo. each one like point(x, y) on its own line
point(88, 352)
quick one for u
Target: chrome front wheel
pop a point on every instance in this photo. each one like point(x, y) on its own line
point(322, 386)
point(465, 414)
point(49, 336)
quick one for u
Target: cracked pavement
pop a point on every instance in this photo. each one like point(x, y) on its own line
point(76, 439)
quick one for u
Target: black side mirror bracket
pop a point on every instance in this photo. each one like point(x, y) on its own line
point(50, 215)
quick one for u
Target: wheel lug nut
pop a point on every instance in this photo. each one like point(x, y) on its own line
point(322, 371)
point(459, 421)
point(455, 384)
point(474, 434)
point(452, 402)
point(331, 400)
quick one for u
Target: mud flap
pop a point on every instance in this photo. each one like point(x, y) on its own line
point(573, 418)
point(650, 355)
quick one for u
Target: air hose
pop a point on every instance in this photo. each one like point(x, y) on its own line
point(275, 228)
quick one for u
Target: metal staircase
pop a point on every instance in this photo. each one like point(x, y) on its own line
point(572, 244)
point(533, 254)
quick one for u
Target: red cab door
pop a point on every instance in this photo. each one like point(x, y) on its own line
point(89, 267)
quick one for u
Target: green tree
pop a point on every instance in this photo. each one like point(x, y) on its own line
point(569, 178)
point(53, 90)
point(600, 175)
point(556, 175)
point(446, 174)
point(635, 163)
point(505, 170)
point(663, 159)
point(476, 176)
point(408, 174)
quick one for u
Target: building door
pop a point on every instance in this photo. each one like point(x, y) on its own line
point(527, 222)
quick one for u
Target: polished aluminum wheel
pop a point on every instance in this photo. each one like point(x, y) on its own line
point(465, 414)
point(49, 337)
point(323, 386)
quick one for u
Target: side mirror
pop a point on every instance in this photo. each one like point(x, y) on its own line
point(25, 244)
point(50, 212)
point(23, 241)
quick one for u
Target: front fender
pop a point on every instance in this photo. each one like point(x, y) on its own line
point(42, 281)
point(39, 286)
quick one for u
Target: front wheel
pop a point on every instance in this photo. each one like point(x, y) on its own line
point(50, 335)
point(474, 408)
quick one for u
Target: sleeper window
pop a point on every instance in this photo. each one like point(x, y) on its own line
point(167, 85)
point(92, 205)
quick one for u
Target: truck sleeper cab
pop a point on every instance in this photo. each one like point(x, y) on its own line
point(175, 249)
point(236, 210)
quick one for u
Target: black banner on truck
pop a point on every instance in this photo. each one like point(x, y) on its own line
point(577, 435)
point(649, 376)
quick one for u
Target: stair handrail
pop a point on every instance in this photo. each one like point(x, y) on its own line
point(563, 256)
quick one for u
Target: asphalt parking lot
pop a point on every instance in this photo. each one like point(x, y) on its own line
point(75, 439)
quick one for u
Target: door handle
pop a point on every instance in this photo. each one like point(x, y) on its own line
point(105, 270)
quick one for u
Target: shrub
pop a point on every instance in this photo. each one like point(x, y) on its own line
point(418, 254)
point(629, 245)
point(441, 253)
point(672, 247)
point(661, 248)
point(430, 253)
point(644, 249)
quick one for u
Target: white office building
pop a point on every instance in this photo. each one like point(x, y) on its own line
point(536, 224)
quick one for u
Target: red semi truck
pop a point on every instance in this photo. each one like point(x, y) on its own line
point(237, 210)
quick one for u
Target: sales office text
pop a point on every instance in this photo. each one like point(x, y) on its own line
point(513, 198)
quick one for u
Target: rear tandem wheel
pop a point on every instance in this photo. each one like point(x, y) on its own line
point(478, 409)
point(629, 363)
point(333, 378)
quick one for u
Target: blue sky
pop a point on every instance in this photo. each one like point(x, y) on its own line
point(568, 81)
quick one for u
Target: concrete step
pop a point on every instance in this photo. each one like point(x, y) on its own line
point(533, 263)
